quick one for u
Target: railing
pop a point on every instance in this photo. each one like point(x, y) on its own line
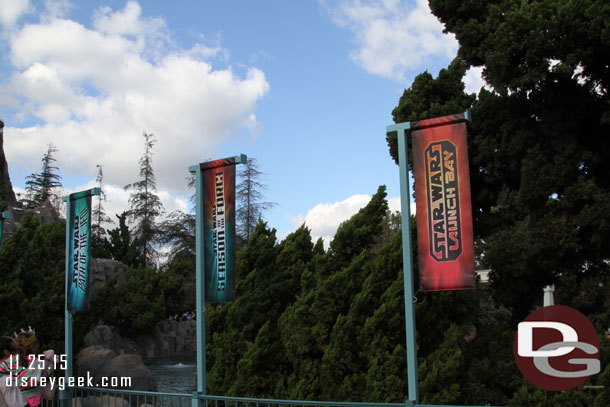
point(223, 401)
point(97, 397)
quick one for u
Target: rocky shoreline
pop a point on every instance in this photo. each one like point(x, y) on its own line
point(107, 354)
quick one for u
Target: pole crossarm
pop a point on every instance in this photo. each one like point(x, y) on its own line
point(82, 194)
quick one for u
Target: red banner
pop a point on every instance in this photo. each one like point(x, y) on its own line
point(442, 196)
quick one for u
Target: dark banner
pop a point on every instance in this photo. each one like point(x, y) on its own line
point(79, 253)
point(442, 196)
point(218, 178)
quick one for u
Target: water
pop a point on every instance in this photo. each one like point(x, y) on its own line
point(174, 375)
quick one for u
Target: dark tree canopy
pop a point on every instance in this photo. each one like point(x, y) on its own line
point(122, 245)
point(538, 146)
point(40, 186)
point(177, 232)
point(516, 41)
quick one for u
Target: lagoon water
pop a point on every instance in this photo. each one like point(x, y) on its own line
point(174, 375)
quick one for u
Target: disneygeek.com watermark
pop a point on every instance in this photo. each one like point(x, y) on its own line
point(61, 383)
point(49, 364)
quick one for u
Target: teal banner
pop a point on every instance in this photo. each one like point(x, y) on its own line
point(218, 178)
point(79, 249)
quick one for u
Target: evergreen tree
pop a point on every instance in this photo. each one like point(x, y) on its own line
point(539, 158)
point(145, 205)
point(177, 232)
point(98, 218)
point(122, 246)
point(32, 271)
point(250, 198)
point(314, 329)
point(39, 187)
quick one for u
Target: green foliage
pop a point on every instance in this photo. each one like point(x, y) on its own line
point(32, 269)
point(133, 307)
point(440, 372)
point(429, 97)
point(122, 246)
point(177, 282)
point(177, 232)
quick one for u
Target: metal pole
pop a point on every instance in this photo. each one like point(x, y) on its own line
point(65, 394)
point(200, 283)
point(407, 260)
point(200, 276)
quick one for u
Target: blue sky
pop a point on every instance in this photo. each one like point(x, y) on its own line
point(306, 87)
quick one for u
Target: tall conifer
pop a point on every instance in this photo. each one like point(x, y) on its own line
point(145, 205)
point(39, 187)
point(250, 198)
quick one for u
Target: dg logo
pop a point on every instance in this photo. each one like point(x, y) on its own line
point(557, 348)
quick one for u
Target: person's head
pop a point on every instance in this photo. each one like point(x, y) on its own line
point(27, 343)
point(8, 346)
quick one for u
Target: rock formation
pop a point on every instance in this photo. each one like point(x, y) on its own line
point(102, 270)
point(108, 338)
point(6, 188)
point(45, 214)
point(170, 338)
point(99, 362)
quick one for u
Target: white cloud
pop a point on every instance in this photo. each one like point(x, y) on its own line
point(324, 219)
point(95, 90)
point(392, 36)
point(56, 9)
point(12, 10)
point(473, 80)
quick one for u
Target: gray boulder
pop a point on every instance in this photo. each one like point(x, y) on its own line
point(45, 213)
point(170, 338)
point(108, 337)
point(128, 366)
point(92, 358)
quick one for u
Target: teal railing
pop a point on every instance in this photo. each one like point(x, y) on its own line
point(107, 397)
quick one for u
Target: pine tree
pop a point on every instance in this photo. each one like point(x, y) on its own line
point(250, 197)
point(146, 205)
point(99, 217)
point(39, 187)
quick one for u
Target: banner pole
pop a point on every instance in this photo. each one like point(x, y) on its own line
point(65, 394)
point(407, 260)
point(200, 281)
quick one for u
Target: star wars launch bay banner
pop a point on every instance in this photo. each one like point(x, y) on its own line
point(78, 249)
point(442, 195)
point(218, 185)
